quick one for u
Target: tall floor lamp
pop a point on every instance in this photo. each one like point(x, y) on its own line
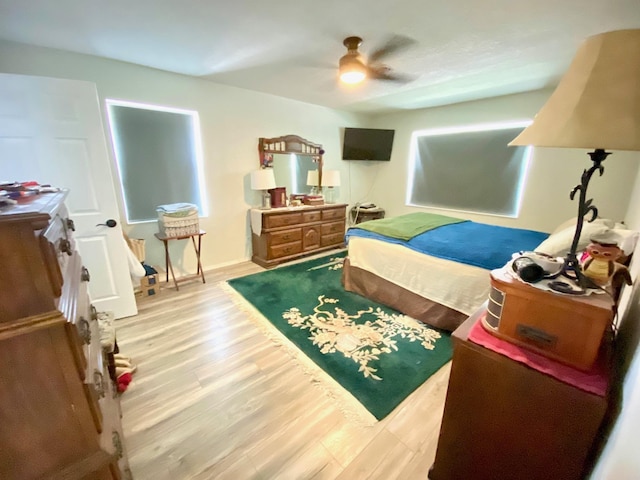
point(595, 106)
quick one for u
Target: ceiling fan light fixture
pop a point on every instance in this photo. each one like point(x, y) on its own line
point(352, 70)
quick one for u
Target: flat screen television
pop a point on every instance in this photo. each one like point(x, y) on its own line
point(367, 144)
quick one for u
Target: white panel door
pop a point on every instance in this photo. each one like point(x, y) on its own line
point(51, 132)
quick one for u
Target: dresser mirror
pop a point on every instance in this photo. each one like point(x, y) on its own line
point(291, 158)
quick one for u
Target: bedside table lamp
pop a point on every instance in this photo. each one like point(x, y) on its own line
point(314, 182)
point(595, 106)
point(330, 179)
point(264, 180)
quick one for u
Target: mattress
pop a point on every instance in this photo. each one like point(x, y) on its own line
point(459, 286)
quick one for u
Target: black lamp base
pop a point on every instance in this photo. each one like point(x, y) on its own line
point(572, 269)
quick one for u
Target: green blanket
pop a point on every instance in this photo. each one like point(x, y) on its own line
point(408, 226)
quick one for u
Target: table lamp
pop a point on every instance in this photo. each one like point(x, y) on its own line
point(595, 106)
point(330, 179)
point(313, 181)
point(264, 180)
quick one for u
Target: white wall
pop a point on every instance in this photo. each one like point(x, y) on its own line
point(619, 459)
point(552, 174)
point(231, 119)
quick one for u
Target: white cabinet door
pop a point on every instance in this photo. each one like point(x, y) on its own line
point(51, 132)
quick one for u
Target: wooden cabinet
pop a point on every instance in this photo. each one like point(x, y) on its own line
point(504, 420)
point(283, 234)
point(59, 411)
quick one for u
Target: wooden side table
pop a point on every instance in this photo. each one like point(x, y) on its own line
point(167, 257)
point(359, 214)
point(504, 420)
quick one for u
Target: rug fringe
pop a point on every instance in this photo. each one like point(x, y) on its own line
point(347, 403)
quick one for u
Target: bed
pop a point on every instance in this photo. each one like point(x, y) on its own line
point(431, 267)
point(436, 268)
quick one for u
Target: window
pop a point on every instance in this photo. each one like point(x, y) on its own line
point(159, 156)
point(468, 169)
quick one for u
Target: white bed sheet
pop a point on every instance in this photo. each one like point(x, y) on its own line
point(456, 285)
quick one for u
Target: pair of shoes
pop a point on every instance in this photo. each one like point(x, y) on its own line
point(121, 362)
point(124, 371)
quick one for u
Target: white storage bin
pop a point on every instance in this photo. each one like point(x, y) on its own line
point(178, 219)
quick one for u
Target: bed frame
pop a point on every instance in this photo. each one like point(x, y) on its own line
point(382, 291)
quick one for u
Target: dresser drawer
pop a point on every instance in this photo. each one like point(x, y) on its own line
point(333, 213)
point(285, 236)
point(333, 227)
point(285, 250)
point(282, 219)
point(333, 239)
point(308, 217)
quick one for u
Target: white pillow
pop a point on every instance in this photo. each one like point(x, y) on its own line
point(626, 239)
point(558, 243)
point(571, 223)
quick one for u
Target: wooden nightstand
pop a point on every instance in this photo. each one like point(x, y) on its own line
point(505, 420)
point(359, 215)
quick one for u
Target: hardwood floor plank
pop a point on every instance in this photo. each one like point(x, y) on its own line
point(215, 398)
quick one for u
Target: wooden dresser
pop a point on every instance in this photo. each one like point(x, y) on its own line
point(289, 233)
point(59, 411)
point(505, 420)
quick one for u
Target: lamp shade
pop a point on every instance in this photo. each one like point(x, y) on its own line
point(263, 179)
point(312, 178)
point(597, 102)
point(330, 178)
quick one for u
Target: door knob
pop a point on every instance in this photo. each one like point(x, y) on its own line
point(109, 223)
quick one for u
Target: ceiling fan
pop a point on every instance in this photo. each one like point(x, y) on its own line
point(354, 69)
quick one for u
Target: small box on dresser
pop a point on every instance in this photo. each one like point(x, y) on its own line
point(59, 416)
point(284, 234)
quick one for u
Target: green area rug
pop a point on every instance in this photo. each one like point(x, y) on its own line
point(377, 354)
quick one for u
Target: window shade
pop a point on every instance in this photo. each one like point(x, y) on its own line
point(157, 159)
point(469, 171)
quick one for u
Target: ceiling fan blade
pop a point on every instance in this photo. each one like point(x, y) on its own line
point(385, 74)
point(395, 44)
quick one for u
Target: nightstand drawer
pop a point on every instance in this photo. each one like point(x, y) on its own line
point(285, 249)
point(285, 236)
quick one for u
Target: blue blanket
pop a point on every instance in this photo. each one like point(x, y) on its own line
point(478, 244)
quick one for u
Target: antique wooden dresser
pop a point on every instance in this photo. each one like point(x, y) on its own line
point(59, 411)
point(283, 234)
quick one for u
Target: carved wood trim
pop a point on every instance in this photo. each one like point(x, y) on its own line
point(288, 144)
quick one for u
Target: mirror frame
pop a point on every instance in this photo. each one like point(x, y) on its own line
point(289, 144)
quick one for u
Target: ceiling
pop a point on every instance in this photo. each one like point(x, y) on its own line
point(463, 49)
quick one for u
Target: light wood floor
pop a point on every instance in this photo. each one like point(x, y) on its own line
point(214, 398)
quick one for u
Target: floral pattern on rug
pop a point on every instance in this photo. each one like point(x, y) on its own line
point(334, 330)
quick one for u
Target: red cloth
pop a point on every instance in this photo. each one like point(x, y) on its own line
point(592, 381)
point(123, 381)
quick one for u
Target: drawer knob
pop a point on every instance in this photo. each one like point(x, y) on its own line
point(98, 382)
point(65, 246)
point(84, 330)
point(70, 224)
point(94, 313)
point(117, 444)
point(85, 276)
